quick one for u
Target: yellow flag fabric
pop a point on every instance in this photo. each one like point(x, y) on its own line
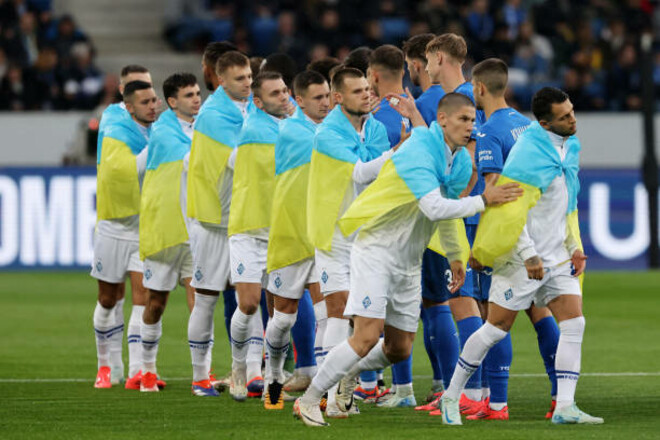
point(500, 226)
point(118, 188)
point(436, 243)
point(328, 183)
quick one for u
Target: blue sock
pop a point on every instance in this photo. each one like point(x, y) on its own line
point(368, 376)
point(444, 339)
point(497, 365)
point(466, 327)
point(264, 308)
point(433, 357)
point(402, 371)
point(547, 333)
point(303, 332)
point(229, 298)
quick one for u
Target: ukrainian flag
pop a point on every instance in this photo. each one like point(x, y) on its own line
point(533, 163)
point(337, 148)
point(162, 224)
point(288, 242)
point(117, 184)
point(215, 136)
point(416, 169)
point(254, 174)
point(110, 115)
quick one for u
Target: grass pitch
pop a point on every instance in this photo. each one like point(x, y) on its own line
point(48, 365)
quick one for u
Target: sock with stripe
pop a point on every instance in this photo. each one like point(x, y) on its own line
point(403, 372)
point(277, 343)
point(473, 354)
point(337, 364)
point(117, 339)
point(134, 340)
point(303, 335)
point(321, 317)
point(255, 349)
point(104, 322)
point(466, 327)
point(150, 334)
point(200, 334)
point(568, 359)
point(547, 334)
point(240, 338)
point(368, 380)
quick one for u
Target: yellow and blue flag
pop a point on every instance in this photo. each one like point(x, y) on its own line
point(337, 148)
point(254, 174)
point(162, 224)
point(288, 242)
point(117, 183)
point(215, 136)
point(109, 116)
point(416, 169)
point(533, 163)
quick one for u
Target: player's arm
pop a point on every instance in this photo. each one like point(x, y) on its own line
point(405, 106)
point(471, 148)
point(450, 243)
point(526, 250)
point(578, 258)
point(366, 172)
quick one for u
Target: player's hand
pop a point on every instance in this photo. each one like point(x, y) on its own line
point(290, 108)
point(474, 263)
point(534, 266)
point(406, 107)
point(579, 261)
point(497, 195)
point(457, 276)
point(404, 136)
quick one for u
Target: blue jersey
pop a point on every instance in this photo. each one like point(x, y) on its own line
point(466, 89)
point(496, 138)
point(391, 119)
point(427, 103)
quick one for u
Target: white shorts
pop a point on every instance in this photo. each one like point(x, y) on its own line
point(210, 254)
point(334, 267)
point(290, 281)
point(113, 258)
point(378, 293)
point(513, 290)
point(162, 271)
point(248, 259)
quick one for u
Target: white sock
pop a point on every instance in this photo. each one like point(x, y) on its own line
point(497, 406)
point(209, 352)
point(117, 339)
point(150, 334)
point(200, 327)
point(337, 364)
point(404, 389)
point(104, 321)
point(336, 332)
point(437, 385)
point(278, 336)
point(485, 393)
point(307, 371)
point(568, 359)
point(239, 338)
point(374, 360)
point(368, 384)
point(474, 352)
point(321, 315)
point(134, 341)
point(255, 349)
point(473, 394)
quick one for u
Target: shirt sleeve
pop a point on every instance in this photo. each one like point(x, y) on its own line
point(525, 246)
point(489, 154)
point(366, 172)
point(449, 240)
point(436, 207)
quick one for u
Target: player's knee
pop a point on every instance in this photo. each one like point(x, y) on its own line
point(283, 321)
point(572, 330)
point(398, 351)
point(363, 344)
point(107, 301)
point(249, 308)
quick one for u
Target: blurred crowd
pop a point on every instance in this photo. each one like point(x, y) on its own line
point(590, 48)
point(46, 61)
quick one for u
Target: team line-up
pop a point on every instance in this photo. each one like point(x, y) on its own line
point(344, 209)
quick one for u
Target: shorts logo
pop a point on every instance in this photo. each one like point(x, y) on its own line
point(324, 277)
point(147, 274)
point(508, 294)
point(278, 282)
point(99, 266)
point(366, 302)
point(240, 269)
point(198, 275)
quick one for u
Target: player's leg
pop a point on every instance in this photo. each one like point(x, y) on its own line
point(200, 337)
point(303, 335)
point(117, 339)
point(139, 299)
point(246, 328)
point(321, 317)
point(547, 334)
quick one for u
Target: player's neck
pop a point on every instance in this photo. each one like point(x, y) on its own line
point(145, 124)
point(184, 117)
point(356, 120)
point(387, 87)
point(453, 78)
point(424, 81)
point(492, 105)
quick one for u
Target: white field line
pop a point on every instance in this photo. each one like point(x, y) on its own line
point(184, 379)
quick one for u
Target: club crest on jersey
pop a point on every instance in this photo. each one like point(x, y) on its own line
point(366, 302)
point(508, 294)
point(147, 274)
point(240, 269)
point(198, 275)
point(324, 277)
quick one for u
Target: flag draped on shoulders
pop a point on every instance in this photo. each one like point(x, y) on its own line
point(162, 224)
point(533, 163)
point(110, 115)
point(288, 242)
point(254, 174)
point(215, 136)
point(416, 169)
point(337, 148)
point(118, 187)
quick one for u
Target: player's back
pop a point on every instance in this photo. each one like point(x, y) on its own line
point(496, 138)
point(427, 103)
point(392, 120)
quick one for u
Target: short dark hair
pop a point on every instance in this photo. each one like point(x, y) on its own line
point(493, 73)
point(134, 86)
point(175, 82)
point(451, 44)
point(305, 79)
point(324, 66)
point(387, 57)
point(215, 50)
point(282, 64)
point(260, 79)
point(340, 77)
point(230, 59)
point(132, 68)
point(415, 47)
point(358, 59)
point(255, 65)
point(453, 101)
point(543, 100)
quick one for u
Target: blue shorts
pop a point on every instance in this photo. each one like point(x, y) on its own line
point(436, 276)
